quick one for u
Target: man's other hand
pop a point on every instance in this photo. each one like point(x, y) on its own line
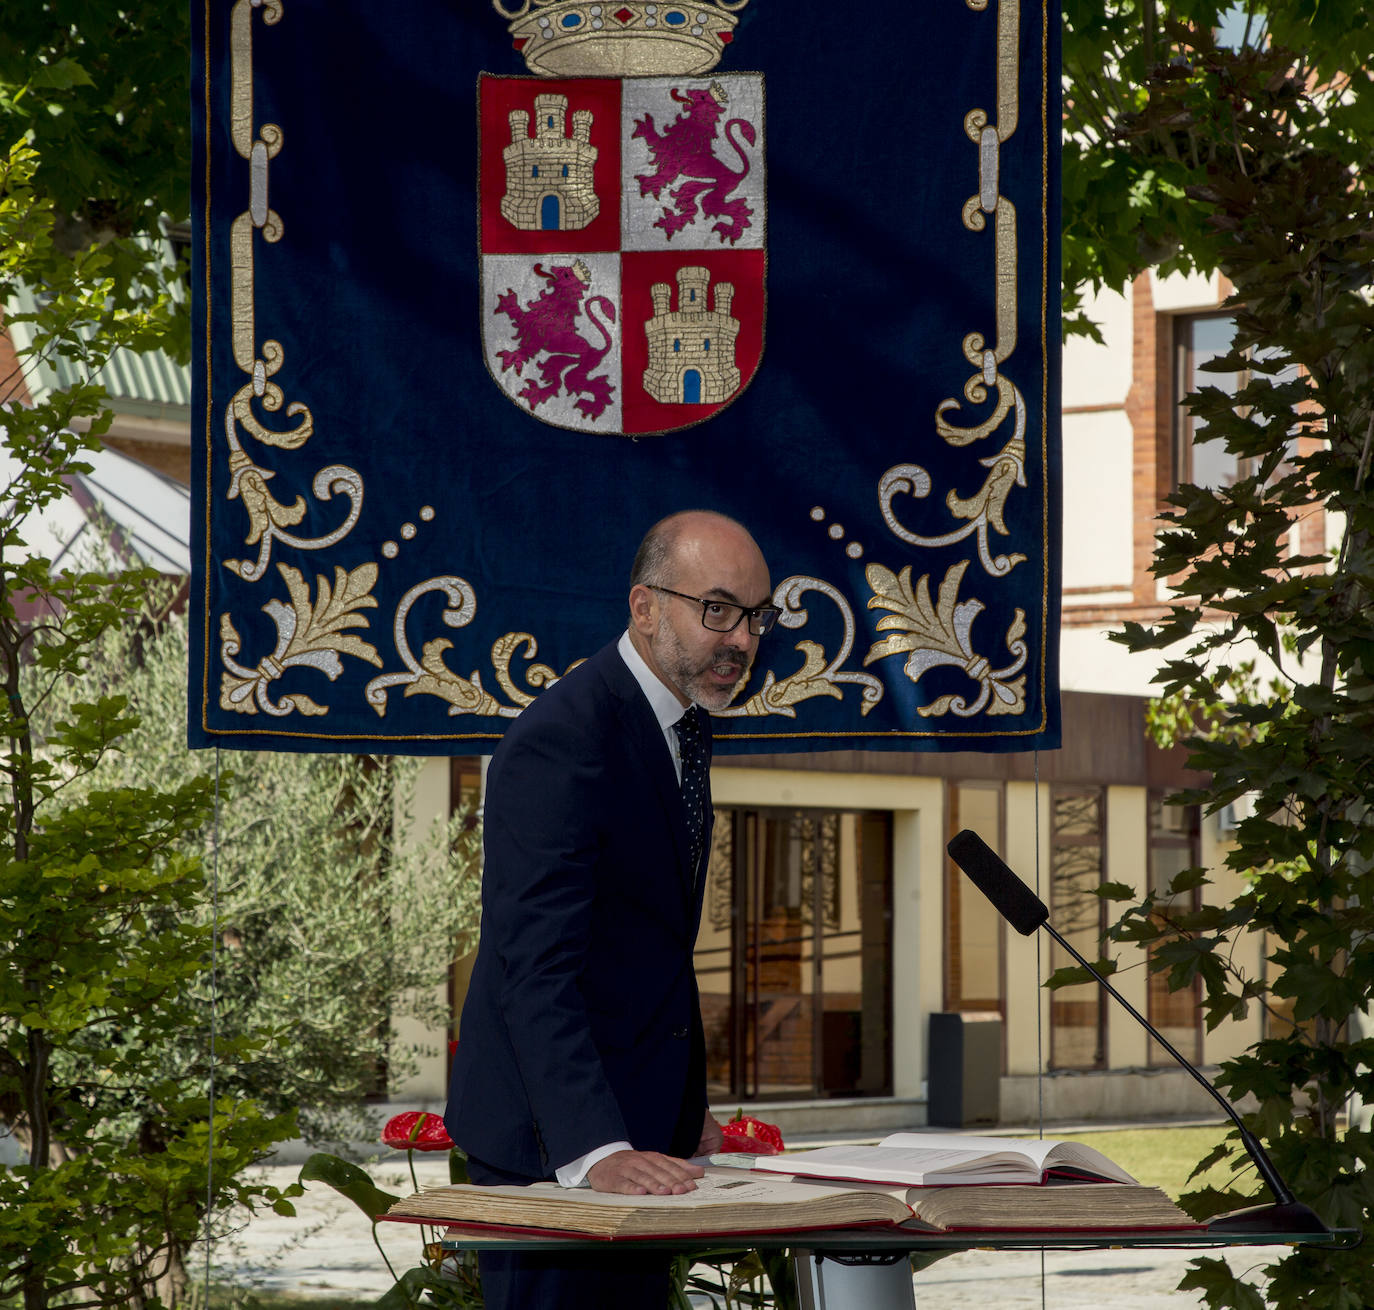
point(712, 1138)
point(643, 1173)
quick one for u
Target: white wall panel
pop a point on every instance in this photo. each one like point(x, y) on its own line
point(1097, 500)
point(1100, 374)
point(1181, 293)
point(1089, 662)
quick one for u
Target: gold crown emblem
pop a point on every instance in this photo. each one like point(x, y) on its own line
point(620, 38)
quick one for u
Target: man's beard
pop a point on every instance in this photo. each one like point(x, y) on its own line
point(692, 677)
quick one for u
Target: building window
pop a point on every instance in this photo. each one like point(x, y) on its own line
point(677, 346)
point(706, 345)
point(1078, 1035)
point(1198, 340)
point(565, 170)
point(534, 171)
point(1175, 845)
point(974, 963)
point(794, 956)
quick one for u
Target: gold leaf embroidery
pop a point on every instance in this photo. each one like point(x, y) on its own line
point(1005, 470)
point(537, 675)
point(307, 635)
point(922, 626)
point(940, 634)
point(986, 509)
point(269, 519)
point(778, 697)
point(264, 510)
point(322, 626)
point(267, 516)
point(820, 674)
point(465, 695)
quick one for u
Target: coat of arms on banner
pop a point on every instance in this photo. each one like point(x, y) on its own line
point(622, 219)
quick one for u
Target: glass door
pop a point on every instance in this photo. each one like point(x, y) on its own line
point(794, 954)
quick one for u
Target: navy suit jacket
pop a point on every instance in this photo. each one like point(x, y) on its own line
point(582, 1024)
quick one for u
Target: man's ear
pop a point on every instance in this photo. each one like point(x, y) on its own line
point(643, 609)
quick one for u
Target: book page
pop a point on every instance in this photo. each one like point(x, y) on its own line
point(1041, 1153)
point(717, 1187)
point(1032, 1151)
point(913, 1166)
point(1089, 1158)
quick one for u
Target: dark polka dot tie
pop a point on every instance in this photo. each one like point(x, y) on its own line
point(692, 751)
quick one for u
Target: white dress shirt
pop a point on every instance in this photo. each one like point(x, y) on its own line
point(664, 702)
point(667, 710)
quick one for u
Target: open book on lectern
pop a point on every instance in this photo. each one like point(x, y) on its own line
point(730, 1202)
point(949, 1159)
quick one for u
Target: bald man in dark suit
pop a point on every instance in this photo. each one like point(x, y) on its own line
point(581, 1056)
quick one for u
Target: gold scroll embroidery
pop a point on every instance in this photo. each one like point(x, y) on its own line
point(986, 507)
point(819, 675)
point(430, 676)
point(268, 518)
point(938, 633)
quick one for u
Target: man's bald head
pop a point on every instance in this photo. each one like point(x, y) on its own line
point(679, 534)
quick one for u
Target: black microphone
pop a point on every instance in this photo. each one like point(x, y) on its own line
point(1014, 901)
point(1026, 912)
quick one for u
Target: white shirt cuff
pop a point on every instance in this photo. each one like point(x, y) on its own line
point(574, 1173)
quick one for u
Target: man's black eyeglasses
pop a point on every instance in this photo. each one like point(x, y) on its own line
point(722, 616)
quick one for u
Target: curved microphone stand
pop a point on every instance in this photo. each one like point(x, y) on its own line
point(1026, 912)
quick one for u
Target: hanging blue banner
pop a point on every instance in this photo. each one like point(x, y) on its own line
point(482, 292)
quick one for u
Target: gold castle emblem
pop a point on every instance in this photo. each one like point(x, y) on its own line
point(623, 38)
point(692, 349)
point(549, 185)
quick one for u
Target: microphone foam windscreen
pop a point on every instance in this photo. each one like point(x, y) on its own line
point(1015, 902)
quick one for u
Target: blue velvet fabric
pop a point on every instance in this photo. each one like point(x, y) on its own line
point(394, 554)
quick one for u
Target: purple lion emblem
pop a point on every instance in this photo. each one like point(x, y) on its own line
point(685, 149)
point(548, 326)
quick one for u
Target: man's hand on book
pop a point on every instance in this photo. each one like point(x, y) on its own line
point(641, 1173)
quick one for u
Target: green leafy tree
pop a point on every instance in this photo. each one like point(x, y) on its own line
point(1126, 202)
point(337, 920)
point(99, 94)
point(99, 905)
point(329, 928)
point(1255, 160)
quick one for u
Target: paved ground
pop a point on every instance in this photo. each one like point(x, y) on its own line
point(328, 1249)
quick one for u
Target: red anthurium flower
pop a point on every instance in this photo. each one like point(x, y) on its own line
point(745, 1133)
point(417, 1130)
